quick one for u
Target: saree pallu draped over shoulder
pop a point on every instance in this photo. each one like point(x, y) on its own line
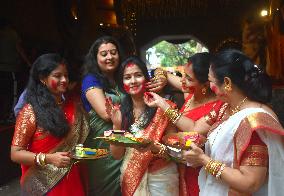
point(103, 174)
point(136, 164)
point(229, 142)
point(41, 181)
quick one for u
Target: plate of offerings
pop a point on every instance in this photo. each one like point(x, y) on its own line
point(81, 153)
point(183, 140)
point(124, 138)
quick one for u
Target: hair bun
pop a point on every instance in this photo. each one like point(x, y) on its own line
point(255, 72)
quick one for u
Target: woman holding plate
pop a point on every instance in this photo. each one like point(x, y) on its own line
point(199, 102)
point(144, 171)
point(47, 129)
point(244, 153)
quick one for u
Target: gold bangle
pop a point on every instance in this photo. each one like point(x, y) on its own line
point(177, 118)
point(172, 114)
point(218, 175)
point(208, 165)
point(159, 72)
point(167, 110)
point(42, 159)
point(37, 159)
point(215, 168)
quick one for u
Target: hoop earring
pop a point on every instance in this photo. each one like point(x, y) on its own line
point(228, 88)
point(203, 91)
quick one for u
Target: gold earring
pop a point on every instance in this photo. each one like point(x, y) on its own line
point(204, 91)
point(228, 88)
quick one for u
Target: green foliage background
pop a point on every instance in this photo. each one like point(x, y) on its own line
point(175, 54)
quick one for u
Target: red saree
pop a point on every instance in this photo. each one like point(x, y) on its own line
point(139, 162)
point(50, 180)
point(188, 173)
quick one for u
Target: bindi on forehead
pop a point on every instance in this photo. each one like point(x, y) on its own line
point(129, 65)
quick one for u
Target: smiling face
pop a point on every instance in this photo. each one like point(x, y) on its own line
point(133, 80)
point(107, 57)
point(57, 81)
point(188, 81)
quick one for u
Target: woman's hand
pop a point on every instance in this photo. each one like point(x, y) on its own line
point(195, 156)
point(58, 159)
point(156, 84)
point(155, 100)
point(145, 148)
point(113, 110)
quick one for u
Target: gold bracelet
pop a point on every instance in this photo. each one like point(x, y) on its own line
point(177, 118)
point(42, 159)
point(218, 175)
point(37, 159)
point(167, 110)
point(159, 72)
point(215, 168)
point(172, 114)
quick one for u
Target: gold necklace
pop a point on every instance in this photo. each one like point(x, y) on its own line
point(223, 112)
point(233, 111)
point(238, 107)
point(187, 105)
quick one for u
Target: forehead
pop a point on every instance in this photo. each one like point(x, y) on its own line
point(188, 69)
point(60, 68)
point(131, 68)
point(106, 46)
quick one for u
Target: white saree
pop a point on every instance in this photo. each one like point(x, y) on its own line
point(164, 182)
point(220, 146)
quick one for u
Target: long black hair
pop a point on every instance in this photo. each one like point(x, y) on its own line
point(91, 62)
point(48, 114)
point(126, 104)
point(247, 76)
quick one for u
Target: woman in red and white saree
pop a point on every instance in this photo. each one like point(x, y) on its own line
point(244, 152)
point(144, 171)
point(47, 130)
point(199, 103)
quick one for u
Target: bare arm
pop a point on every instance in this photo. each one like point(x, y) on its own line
point(247, 179)
point(174, 81)
point(97, 99)
point(183, 123)
point(22, 156)
point(24, 132)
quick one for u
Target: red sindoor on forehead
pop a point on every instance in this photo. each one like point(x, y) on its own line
point(130, 64)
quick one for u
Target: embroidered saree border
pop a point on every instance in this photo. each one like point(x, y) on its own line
point(38, 181)
point(258, 121)
point(255, 155)
point(138, 163)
